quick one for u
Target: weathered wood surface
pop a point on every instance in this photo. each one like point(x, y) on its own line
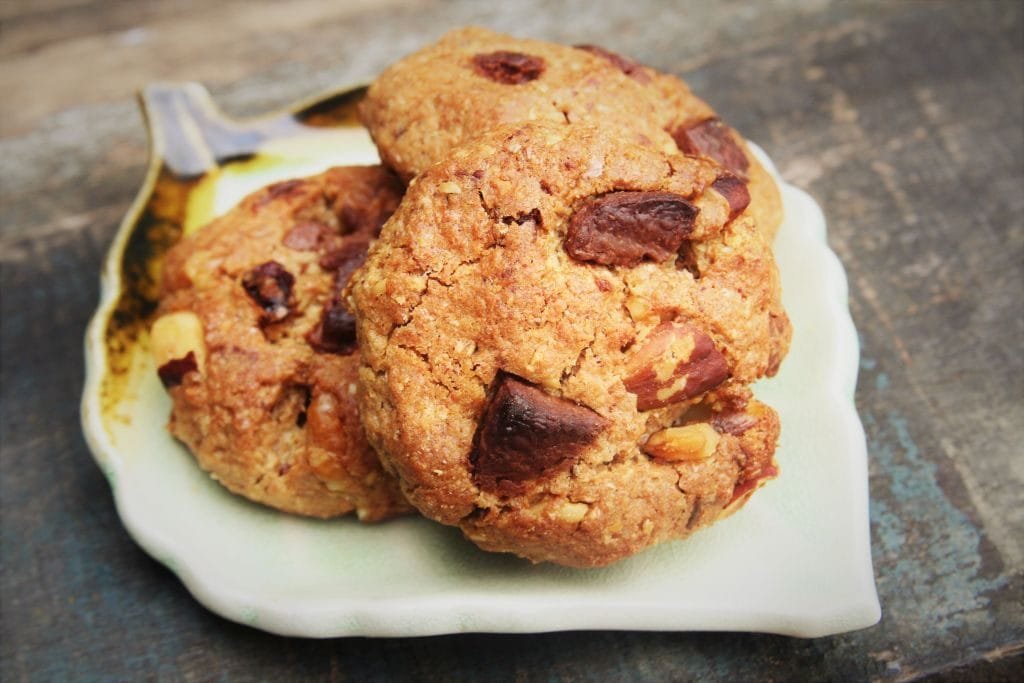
point(904, 119)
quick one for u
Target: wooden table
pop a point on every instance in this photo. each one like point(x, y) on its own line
point(905, 120)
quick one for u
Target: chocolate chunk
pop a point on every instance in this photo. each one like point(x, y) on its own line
point(687, 260)
point(336, 331)
point(623, 228)
point(526, 434)
point(345, 260)
point(307, 236)
point(735, 192)
point(634, 70)
point(510, 68)
point(367, 217)
point(270, 286)
point(173, 371)
point(713, 138)
point(282, 189)
point(676, 363)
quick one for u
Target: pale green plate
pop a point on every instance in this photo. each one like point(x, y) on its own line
point(796, 560)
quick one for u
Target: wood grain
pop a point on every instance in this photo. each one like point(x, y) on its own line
point(904, 120)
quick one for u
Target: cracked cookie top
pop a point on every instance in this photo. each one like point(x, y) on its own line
point(558, 331)
point(257, 349)
point(474, 79)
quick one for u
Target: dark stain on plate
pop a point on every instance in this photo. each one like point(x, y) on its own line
point(189, 138)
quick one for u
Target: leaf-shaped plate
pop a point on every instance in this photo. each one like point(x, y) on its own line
point(796, 560)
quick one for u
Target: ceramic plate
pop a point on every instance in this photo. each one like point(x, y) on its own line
point(796, 560)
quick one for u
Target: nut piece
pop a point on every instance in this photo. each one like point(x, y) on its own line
point(744, 489)
point(510, 68)
point(691, 442)
point(677, 363)
point(713, 138)
point(572, 513)
point(175, 336)
point(738, 422)
point(623, 228)
point(526, 434)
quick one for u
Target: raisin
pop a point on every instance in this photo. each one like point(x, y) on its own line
point(336, 331)
point(623, 228)
point(270, 286)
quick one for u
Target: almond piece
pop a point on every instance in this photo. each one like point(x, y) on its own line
point(572, 513)
point(677, 362)
point(691, 442)
point(175, 335)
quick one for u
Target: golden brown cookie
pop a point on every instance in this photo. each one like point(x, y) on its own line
point(258, 352)
point(558, 331)
point(474, 79)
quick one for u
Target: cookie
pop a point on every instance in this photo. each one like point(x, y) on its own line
point(474, 79)
point(558, 330)
point(258, 351)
